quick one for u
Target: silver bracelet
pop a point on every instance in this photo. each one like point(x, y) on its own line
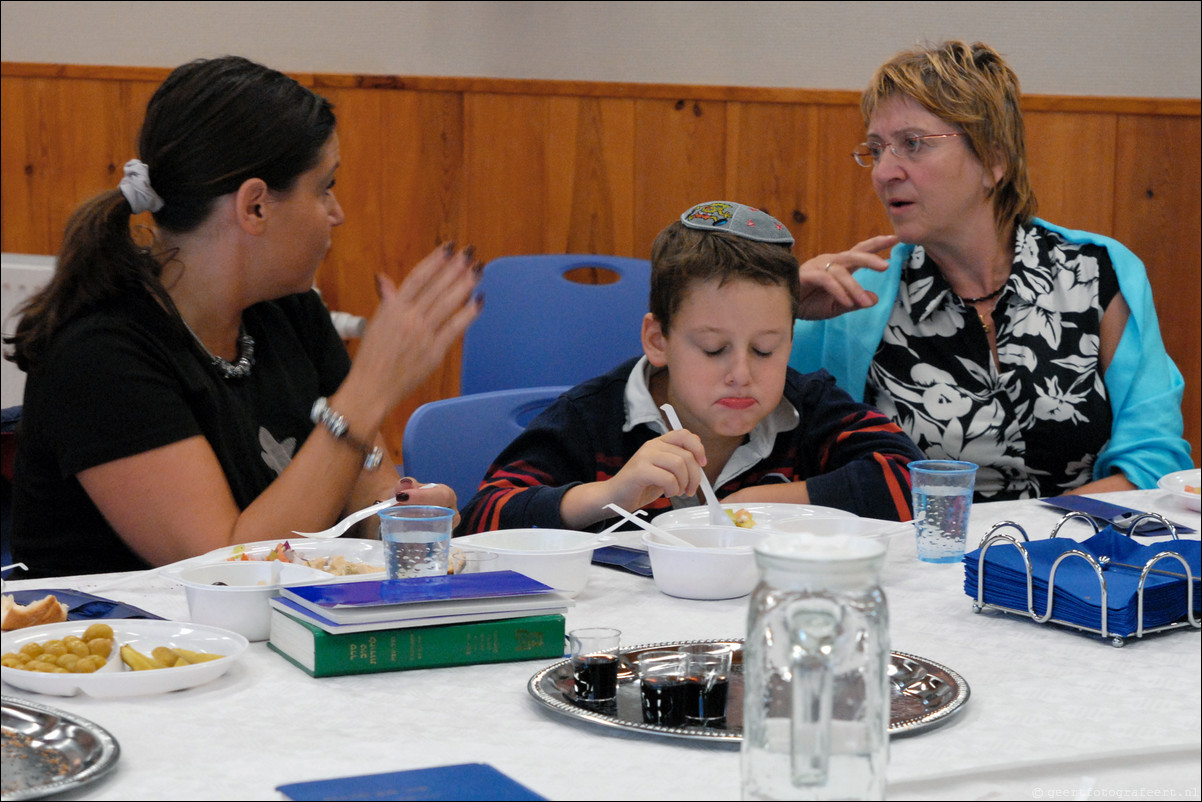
point(337, 426)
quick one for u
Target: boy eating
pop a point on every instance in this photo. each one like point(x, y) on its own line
point(716, 343)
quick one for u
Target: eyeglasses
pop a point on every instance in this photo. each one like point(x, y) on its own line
point(910, 148)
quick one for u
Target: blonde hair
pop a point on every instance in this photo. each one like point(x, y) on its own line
point(973, 87)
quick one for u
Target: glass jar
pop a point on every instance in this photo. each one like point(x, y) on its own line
point(816, 671)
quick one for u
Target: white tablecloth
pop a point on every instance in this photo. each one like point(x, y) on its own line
point(1054, 714)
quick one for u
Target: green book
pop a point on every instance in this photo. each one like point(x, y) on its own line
point(322, 654)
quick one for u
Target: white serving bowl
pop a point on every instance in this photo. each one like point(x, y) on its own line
point(556, 557)
point(1176, 484)
point(720, 564)
point(240, 604)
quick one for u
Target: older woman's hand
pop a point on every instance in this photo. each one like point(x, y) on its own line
point(827, 286)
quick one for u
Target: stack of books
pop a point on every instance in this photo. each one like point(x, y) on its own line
point(424, 622)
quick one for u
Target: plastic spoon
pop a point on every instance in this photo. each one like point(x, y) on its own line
point(663, 534)
point(718, 515)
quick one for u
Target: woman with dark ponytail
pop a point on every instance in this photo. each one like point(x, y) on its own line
point(191, 392)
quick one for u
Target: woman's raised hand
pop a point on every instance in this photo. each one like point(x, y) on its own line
point(827, 286)
point(417, 322)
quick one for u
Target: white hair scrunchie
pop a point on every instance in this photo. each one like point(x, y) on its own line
point(135, 186)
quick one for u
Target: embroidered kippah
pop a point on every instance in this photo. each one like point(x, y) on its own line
point(738, 219)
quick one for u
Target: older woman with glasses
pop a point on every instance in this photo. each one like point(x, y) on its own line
point(989, 335)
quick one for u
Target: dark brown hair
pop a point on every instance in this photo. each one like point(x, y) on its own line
point(212, 125)
point(682, 256)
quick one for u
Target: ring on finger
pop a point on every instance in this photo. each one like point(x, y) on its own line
point(828, 266)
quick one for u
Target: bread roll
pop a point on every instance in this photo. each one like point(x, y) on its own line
point(46, 610)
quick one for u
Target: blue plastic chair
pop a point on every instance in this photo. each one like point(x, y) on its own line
point(540, 328)
point(454, 441)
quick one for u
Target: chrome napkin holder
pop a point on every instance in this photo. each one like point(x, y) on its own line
point(993, 537)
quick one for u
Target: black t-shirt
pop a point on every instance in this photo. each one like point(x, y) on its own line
point(128, 379)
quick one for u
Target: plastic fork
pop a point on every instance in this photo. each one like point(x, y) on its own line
point(339, 529)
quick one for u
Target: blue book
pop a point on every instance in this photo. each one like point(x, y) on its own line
point(419, 597)
point(423, 616)
point(467, 781)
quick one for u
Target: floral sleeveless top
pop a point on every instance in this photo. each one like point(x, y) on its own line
point(1034, 422)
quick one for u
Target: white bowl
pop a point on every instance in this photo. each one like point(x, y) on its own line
point(240, 604)
point(1176, 483)
point(871, 528)
point(765, 514)
point(720, 565)
point(556, 557)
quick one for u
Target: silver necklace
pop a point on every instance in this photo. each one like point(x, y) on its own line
point(239, 369)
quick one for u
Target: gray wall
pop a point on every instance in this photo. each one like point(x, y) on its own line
point(1148, 49)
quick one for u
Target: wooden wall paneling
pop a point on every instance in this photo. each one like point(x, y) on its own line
point(770, 152)
point(89, 157)
point(1158, 216)
point(23, 203)
point(1071, 160)
point(49, 175)
point(590, 176)
point(844, 208)
point(424, 175)
point(346, 277)
point(424, 178)
point(64, 142)
point(680, 154)
point(400, 188)
point(505, 161)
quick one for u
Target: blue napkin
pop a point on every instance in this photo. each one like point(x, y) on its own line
point(1077, 595)
point(1105, 512)
point(636, 561)
point(84, 606)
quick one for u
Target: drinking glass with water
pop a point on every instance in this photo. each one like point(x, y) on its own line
point(942, 494)
point(417, 540)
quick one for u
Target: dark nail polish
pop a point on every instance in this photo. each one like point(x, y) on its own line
point(469, 252)
point(402, 496)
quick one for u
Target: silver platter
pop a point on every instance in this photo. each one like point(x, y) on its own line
point(923, 694)
point(48, 751)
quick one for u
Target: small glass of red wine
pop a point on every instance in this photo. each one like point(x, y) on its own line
point(662, 687)
point(594, 653)
point(706, 683)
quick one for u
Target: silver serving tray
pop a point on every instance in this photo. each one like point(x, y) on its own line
point(48, 751)
point(923, 694)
